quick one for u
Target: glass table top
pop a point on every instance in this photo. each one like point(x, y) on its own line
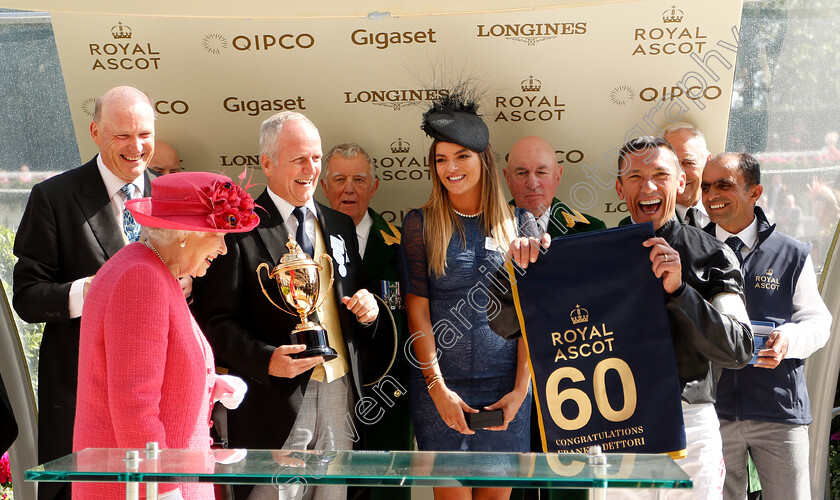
point(366, 468)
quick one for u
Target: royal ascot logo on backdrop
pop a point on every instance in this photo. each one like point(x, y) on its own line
point(162, 107)
point(530, 33)
point(672, 37)
point(395, 99)
point(581, 340)
point(121, 51)
point(215, 43)
point(401, 166)
point(384, 39)
point(253, 107)
point(531, 106)
point(621, 95)
point(767, 281)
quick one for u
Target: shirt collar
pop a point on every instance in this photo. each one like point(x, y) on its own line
point(363, 229)
point(749, 235)
point(113, 183)
point(285, 208)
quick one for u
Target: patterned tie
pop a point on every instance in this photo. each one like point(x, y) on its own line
point(691, 217)
point(130, 227)
point(736, 244)
point(301, 237)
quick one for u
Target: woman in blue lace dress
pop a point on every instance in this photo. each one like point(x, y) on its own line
point(452, 247)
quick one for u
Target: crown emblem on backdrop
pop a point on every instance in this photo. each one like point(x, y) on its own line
point(531, 85)
point(400, 146)
point(768, 272)
point(672, 15)
point(120, 31)
point(579, 315)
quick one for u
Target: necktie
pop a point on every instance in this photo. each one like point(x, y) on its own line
point(130, 227)
point(736, 244)
point(690, 217)
point(301, 236)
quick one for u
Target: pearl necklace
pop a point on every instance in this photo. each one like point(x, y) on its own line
point(152, 248)
point(468, 216)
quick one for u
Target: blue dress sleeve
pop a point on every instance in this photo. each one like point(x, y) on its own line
point(415, 271)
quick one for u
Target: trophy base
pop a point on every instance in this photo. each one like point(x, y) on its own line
point(315, 338)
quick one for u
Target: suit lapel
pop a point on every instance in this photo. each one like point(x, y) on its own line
point(327, 221)
point(272, 231)
point(378, 254)
point(95, 204)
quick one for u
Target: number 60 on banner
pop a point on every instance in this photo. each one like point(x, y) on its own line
point(555, 397)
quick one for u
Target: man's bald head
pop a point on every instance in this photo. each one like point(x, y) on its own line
point(533, 174)
point(123, 128)
point(166, 159)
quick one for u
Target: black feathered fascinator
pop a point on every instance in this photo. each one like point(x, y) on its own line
point(454, 118)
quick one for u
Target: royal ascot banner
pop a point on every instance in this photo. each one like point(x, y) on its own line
point(584, 77)
point(593, 316)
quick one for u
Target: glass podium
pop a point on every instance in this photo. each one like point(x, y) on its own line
point(595, 471)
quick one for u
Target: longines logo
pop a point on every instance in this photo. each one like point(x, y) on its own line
point(621, 94)
point(384, 39)
point(123, 54)
point(531, 106)
point(162, 107)
point(239, 160)
point(215, 43)
point(671, 38)
point(401, 166)
point(394, 98)
point(254, 107)
point(530, 33)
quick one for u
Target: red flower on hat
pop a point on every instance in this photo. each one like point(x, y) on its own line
point(231, 206)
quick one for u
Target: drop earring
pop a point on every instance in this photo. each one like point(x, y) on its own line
point(184, 244)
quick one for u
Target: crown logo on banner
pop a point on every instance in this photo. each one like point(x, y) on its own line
point(121, 32)
point(531, 85)
point(579, 315)
point(768, 273)
point(673, 15)
point(400, 146)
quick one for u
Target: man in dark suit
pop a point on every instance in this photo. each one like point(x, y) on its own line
point(349, 182)
point(73, 223)
point(533, 176)
point(292, 403)
point(690, 145)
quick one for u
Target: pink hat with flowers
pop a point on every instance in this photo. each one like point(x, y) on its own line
point(196, 201)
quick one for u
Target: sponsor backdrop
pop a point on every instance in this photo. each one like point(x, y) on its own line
point(583, 77)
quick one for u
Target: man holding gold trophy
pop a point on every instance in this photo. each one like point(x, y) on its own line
point(297, 399)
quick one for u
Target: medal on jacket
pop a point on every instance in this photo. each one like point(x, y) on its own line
point(391, 294)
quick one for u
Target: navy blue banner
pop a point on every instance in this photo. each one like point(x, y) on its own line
point(602, 359)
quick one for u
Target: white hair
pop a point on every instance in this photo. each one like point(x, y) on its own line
point(272, 127)
point(675, 126)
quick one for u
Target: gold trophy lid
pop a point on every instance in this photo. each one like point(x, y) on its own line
point(296, 258)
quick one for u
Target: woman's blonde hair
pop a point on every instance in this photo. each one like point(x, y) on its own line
point(441, 221)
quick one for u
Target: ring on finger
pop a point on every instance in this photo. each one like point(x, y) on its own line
point(666, 257)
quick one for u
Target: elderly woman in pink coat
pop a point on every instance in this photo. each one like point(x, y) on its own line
point(146, 372)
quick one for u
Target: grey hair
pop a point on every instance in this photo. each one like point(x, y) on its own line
point(347, 150)
point(675, 126)
point(271, 128)
point(161, 237)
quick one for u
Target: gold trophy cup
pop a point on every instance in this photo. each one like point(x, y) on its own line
point(300, 285)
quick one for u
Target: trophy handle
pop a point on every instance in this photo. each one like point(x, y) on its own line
point(259, 278)
point(323, 293)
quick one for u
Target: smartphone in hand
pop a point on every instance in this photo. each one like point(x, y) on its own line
point(484, 419)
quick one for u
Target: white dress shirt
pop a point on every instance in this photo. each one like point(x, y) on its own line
point(113, 184)
point(285, 208)
point(363, 231)
point(700, 216)
point(808, 328)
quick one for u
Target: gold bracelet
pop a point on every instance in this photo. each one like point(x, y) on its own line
point(431, 381)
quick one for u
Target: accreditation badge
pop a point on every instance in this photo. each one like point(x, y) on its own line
point(601, 356)
point(391, 294)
